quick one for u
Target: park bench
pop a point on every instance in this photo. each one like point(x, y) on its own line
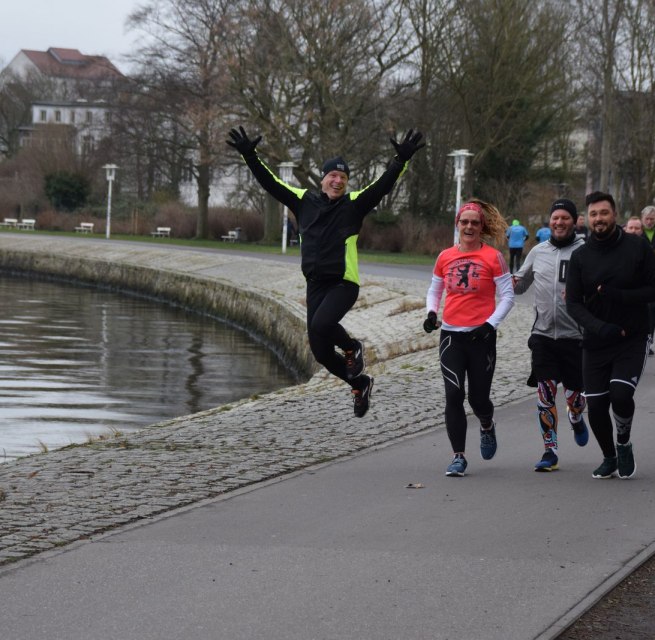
point(232, 235)
point(85, 227)
point(161, 232)
point(9, 223)
point(27, 224)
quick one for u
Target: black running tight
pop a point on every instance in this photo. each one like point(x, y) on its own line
point(327, 303)
point(474, 362)
point(620, 400)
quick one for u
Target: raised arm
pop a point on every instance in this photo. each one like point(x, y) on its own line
point(281, 191)
point(369, 197)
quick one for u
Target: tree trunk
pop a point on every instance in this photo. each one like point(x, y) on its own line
point(202, 230)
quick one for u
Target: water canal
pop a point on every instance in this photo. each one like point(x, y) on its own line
point(77, 362)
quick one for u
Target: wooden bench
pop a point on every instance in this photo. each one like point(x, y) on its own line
point(85, 227)
point(232, 236)
point(9, 223)
point(161, 232)
point(27, 224)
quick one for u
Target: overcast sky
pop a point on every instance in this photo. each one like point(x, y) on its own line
point(95, 27)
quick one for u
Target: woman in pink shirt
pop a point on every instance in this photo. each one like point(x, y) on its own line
point(471, 273)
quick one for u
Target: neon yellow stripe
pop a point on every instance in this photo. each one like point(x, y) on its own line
point(299, 192)
point(352, 260)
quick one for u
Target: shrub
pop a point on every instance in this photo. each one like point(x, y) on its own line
point(222, 220)
point(67, 190)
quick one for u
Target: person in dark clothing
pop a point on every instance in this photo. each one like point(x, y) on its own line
point(329, 222)
point(648, 221)
point(610, 282)
point(648, 231)
point(581, 229)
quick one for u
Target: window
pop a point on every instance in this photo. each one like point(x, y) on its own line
point(72, 117)
point(57, 116)
point(43, 115)
point(88, 145)
point(187, 170)
point(89, 117)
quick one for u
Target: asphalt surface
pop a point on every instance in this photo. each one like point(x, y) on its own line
point(342, 549)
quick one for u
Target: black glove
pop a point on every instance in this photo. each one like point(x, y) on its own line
point(409, 146)
point(482, 332)
point(431, 322)
point(610, 331)
point(611, 293)
point(242, 143)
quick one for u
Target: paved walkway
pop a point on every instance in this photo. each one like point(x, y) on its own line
point(337, 551)
point(50, 500)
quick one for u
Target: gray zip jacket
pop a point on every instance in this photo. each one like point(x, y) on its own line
point(546, 265)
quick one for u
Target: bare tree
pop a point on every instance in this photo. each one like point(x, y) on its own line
point(633, 150)
point(316, 79)
point(434, 103)
point(506, 65)
point(600, 22)
point(183, 68)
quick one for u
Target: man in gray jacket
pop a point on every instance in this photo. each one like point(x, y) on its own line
point(555, 341)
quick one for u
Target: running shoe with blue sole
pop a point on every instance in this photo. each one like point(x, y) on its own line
point(457, 467)
point(580, 432)
point(488, 442)
point(548, 462)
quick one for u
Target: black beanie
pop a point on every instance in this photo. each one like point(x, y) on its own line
point(567, 205)
point(336, 164)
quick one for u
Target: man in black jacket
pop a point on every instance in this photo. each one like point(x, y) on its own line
point(610, 282)
point(329, 222)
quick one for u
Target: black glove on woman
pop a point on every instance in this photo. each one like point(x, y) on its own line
point(431, 322)
point(483, 332)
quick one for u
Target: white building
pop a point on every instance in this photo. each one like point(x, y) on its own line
point(73, 89)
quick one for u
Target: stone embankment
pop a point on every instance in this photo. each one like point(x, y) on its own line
point(51, 499)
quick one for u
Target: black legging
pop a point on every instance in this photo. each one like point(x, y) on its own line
point(461, 358)
point(327, 303)
point(621, 401)
point(515, 255)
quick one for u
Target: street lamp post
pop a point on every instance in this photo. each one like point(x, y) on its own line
point(459, 156)
point(111, 174)
point(286, 174)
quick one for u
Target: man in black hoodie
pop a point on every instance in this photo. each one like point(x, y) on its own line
point(610, 282)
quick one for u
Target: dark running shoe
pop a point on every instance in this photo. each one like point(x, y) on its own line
point(548, 462)
point(626, 461)
point(580, 432)
point(362, 396)
point(355, 360)
point(607, 468)
point(488, 442)
point(457, 467)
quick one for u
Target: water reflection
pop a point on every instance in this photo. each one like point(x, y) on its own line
point(77, 362)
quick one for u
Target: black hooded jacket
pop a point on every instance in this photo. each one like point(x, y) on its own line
point(328, 229)
point(624, 266)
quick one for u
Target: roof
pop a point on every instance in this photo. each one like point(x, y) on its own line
point(70, 63)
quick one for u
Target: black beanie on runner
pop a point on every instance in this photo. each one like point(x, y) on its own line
point(567, 205)
point(336, 164)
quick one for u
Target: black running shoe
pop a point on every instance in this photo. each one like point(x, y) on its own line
point(607, 469)
point(362, 396)
point(625, 460)
point(355, 360)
